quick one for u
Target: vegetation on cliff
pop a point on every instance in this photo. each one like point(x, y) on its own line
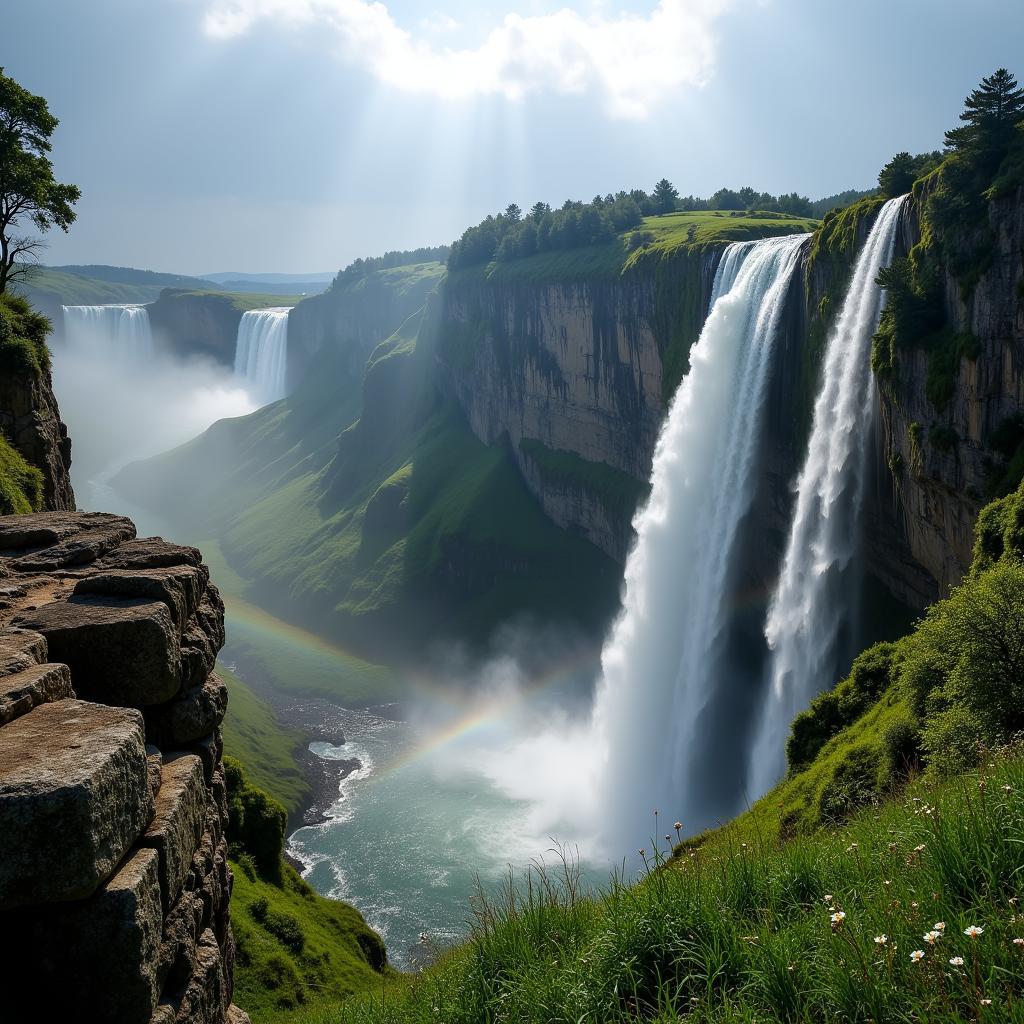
point(293, 947)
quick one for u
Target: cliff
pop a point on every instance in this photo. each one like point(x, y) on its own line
point(114, 886)
point(35, 452)
point(196, 323)
point(952, 390)
point(356, 313)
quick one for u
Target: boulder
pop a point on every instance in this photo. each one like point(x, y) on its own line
point(149, 553)
point(74, 797)
point(122, 652)
point(177, 823)
point(22, 691)
point(194, 715)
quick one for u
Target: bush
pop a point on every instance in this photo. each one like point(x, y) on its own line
point(854, 783)
point(901, 747)
point(256, 821)
point(834, 710)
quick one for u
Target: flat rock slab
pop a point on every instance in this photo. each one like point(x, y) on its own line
point(22, 691)
point(124, 652)
point(58, 540)
point(20, 649)
point(74, 797)
point(149, 553)
point(179, 587)
point(178, 822)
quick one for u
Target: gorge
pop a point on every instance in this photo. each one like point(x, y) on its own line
point(645, 524)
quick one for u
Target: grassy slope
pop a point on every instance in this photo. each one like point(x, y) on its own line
point(74, 290)
point(253, 734)
point(245, 301)
point(272, 974)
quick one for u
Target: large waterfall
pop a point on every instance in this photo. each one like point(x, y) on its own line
point(810, 627)
point(261, 353)
point(659, 663)
point(118, 332)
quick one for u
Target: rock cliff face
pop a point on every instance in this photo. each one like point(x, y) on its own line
point(569, 368)
point(943, 458)
point(114, 883)
point(196, 323)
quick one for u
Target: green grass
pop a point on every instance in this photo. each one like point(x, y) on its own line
point(21, 485)
point(242, 301)
point(74, 290)
point(253, 735)
point(296, 948)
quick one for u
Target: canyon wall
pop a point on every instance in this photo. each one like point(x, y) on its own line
point(114, 884)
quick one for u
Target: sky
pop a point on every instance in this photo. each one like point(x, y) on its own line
point(293, 136)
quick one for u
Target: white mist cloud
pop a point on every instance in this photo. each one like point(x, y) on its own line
point(631, 60)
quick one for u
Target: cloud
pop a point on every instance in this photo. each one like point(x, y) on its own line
point(630, 60)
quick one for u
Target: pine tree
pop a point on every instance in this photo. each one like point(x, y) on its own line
point(991, 116)
point(665, 195)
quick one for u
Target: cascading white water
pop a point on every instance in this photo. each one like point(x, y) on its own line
point(120, 332)
point(261, 353)
point(815, 597)
point(659, 663)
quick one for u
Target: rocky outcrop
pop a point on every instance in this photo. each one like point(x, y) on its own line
point(577, 367)
point(114, 882)
point(190, 323)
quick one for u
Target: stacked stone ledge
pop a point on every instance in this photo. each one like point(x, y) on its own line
point(114, 879)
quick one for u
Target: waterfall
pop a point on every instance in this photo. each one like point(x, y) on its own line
point(119, 332)
point(809, 627)
point(261, 353)
point(659, 663)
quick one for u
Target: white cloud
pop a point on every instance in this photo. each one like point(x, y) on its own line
point(631, 60)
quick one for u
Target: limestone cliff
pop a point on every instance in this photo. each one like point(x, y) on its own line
point(114, 882)
point(196, 323)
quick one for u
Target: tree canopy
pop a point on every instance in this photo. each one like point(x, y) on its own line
point(992, 115)
point(28, 190)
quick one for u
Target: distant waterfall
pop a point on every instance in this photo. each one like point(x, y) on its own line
point(120, 332)
point(261, 353)
point(815, 599)
point(659, 663)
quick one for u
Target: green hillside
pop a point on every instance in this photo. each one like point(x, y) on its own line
point(43, 284)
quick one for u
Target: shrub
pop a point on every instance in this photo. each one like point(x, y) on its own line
point(901, 747)
point(853, 784)
point(256, 821)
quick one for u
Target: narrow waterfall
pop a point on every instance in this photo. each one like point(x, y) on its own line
point(261, 353)
point(659, 664)
point(811, 614)
point(120, 332)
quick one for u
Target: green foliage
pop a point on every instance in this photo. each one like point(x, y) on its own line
point(21, 485)
point(256, 821)
point(28, 189)
point(360, 268)
point(294, 948)
point(897, 177)
point(999, 531)
point(834, 710)
point(23, 334)
point(852, 784)
point(992, 114)
point(665, 195)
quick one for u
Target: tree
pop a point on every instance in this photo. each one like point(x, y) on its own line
point(28, 189)
point(665, 195)
point(538, 210)
point(513, 214)
point(726, 199)
point(898, 176)
point(991, 115)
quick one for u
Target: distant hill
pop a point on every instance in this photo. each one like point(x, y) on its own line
point(129, 275)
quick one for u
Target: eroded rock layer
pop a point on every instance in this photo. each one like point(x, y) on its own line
point(114, 884)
